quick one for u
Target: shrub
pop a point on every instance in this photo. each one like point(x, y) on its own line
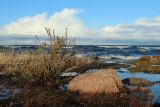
point(44, 66)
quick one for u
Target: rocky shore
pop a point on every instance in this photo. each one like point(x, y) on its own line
point(100, 88)
point(148, 64)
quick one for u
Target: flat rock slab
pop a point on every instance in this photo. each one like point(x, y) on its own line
point(135, 81)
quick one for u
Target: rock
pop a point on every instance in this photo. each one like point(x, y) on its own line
point(135, 81)
point(139, 89)
point(103, 81)
point(69, 74)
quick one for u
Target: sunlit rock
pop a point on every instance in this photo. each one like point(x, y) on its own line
point(103, 81)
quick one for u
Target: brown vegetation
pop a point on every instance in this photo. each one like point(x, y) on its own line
point(149, 64)
point(47, 97)
point(42, 66)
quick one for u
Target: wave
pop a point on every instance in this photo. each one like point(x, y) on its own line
point(120, 57)
point(120, 47)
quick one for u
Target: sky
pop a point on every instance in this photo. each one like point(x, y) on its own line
point(96, 21)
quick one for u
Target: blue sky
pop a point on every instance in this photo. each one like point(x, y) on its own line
point(119, 19)
point(101, 12)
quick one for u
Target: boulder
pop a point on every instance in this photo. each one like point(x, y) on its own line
point(103, 81)
point(135, 81)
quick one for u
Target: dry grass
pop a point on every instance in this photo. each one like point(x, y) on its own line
point(44, 66)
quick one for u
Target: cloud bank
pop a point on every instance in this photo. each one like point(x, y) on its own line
point(141, 31)
point(35, 25)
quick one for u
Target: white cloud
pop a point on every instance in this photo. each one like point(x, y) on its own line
point(140, 30)
point(148, 22)
point(35, 25)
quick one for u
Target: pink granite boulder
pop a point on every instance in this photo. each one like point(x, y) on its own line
point(103, 81)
